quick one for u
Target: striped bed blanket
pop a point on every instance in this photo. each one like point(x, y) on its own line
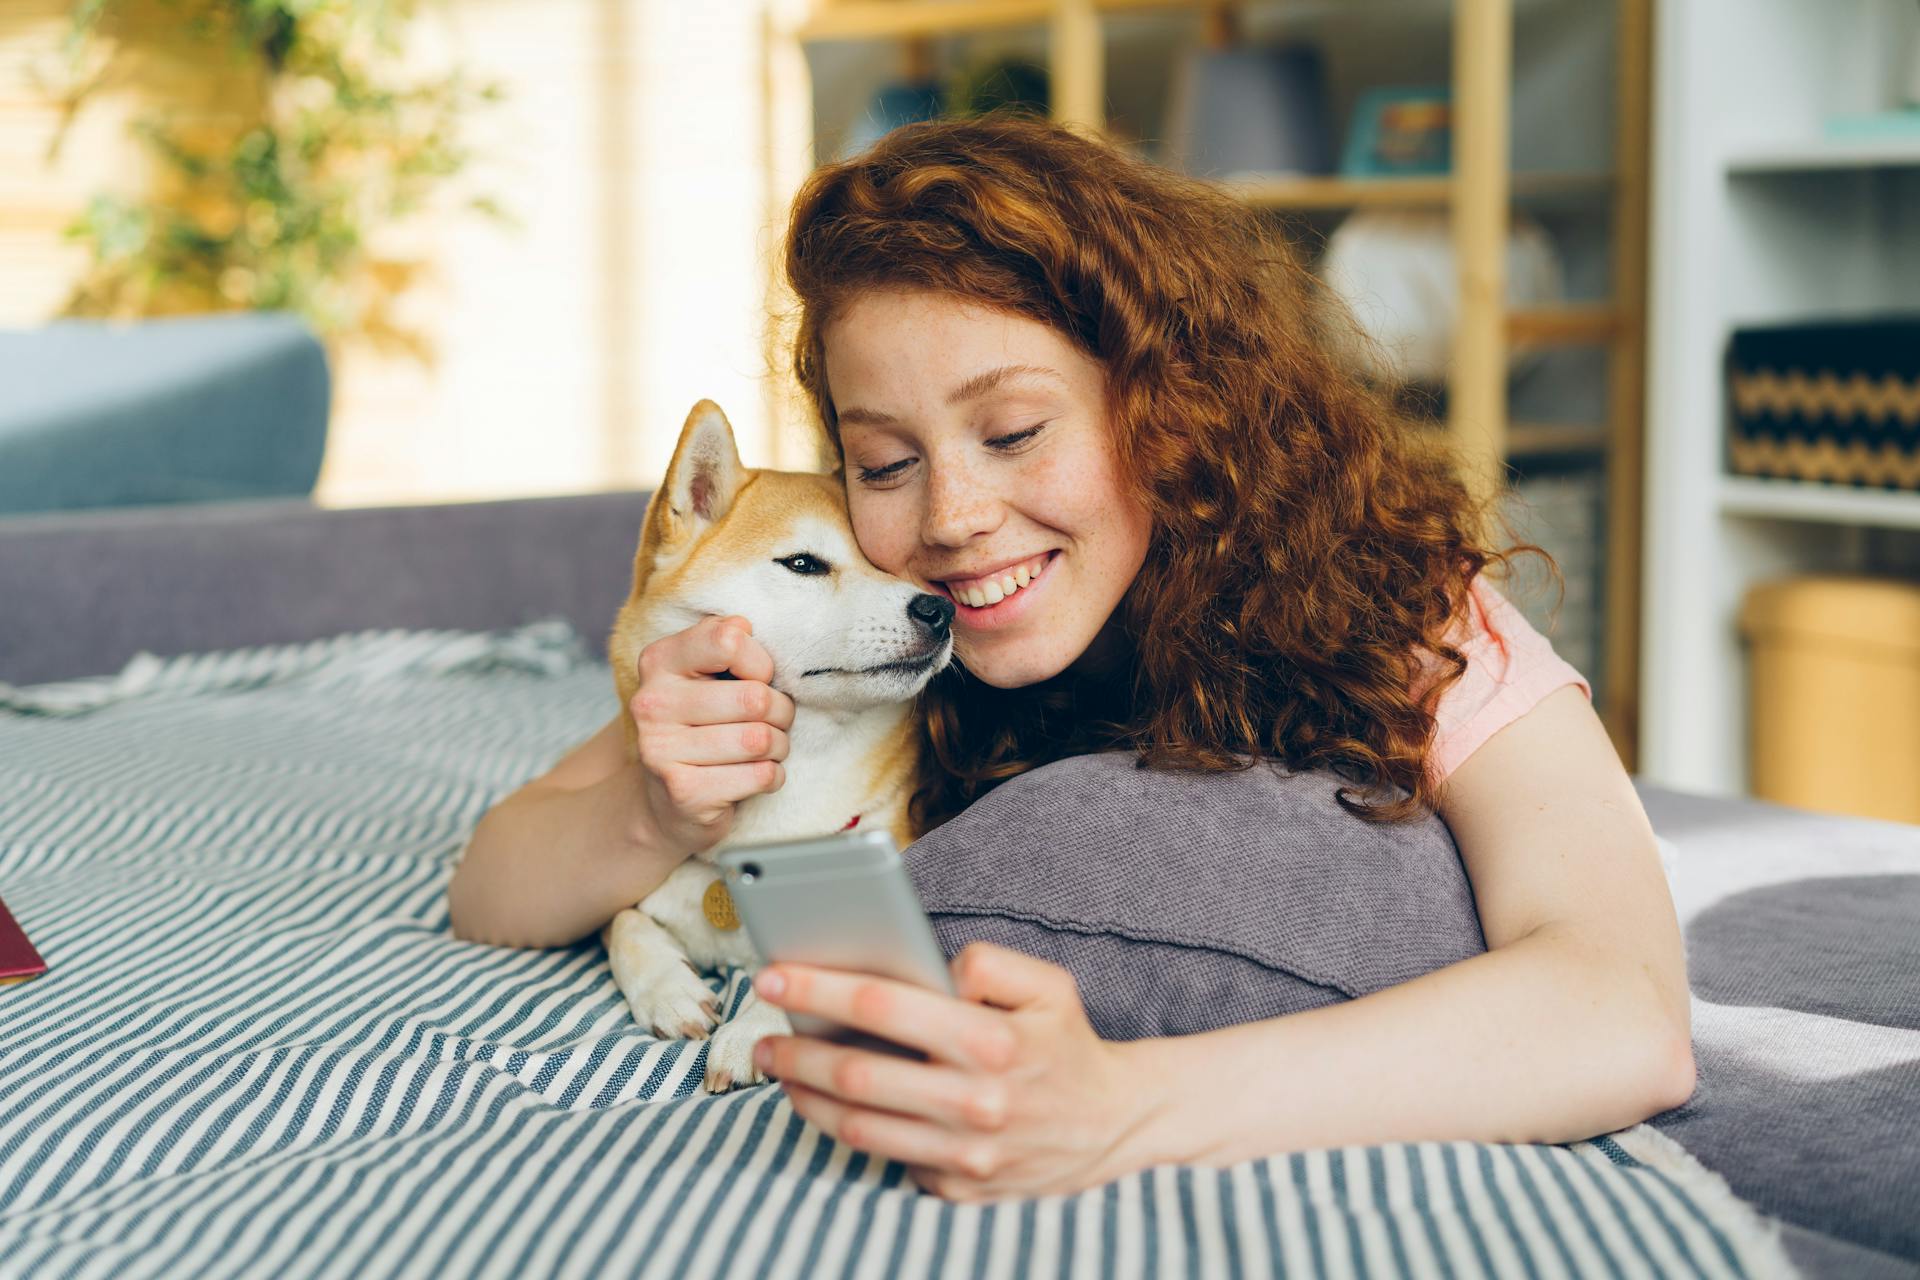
point(260, 1052)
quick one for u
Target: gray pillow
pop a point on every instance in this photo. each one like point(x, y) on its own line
point(1182, 902)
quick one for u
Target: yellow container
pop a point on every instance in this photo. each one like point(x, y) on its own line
point(1835, 705)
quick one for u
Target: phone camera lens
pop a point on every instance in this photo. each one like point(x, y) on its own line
point(749, 871)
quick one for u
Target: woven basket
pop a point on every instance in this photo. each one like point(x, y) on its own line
point(1837, 402)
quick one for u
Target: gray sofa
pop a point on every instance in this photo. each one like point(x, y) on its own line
point(1777, 924)
point(81, 592)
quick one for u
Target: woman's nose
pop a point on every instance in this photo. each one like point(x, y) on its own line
point(958, 509)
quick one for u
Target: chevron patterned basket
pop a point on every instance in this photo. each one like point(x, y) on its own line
point(1837, 402)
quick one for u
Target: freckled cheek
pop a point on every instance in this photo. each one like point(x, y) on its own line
point(1082, 501)
point(884, 530)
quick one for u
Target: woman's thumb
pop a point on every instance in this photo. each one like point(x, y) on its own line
point(1010, 979)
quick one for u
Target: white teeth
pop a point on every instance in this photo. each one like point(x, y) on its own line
point(988, 591)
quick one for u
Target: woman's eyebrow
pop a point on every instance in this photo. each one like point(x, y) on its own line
point(981, 383)
point(972, 389)
point(854, 415)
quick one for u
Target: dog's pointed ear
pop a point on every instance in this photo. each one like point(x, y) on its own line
point(704, 476)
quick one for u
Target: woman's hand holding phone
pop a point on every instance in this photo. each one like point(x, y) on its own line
point(705, 744)
point(1017, 1096)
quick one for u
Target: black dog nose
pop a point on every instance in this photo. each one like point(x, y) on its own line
point(933, 612)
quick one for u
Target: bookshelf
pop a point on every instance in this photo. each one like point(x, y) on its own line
point(1759, 217)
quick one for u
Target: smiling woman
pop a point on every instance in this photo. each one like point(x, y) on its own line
point(1087, 405)
point(1025, 345)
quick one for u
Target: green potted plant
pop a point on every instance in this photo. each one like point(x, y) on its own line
point(282, 138)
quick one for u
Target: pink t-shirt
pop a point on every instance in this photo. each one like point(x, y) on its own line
point(1510, 668)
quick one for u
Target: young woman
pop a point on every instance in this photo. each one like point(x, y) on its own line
point(1098, 408)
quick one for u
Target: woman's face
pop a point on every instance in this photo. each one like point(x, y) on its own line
point(979, 465)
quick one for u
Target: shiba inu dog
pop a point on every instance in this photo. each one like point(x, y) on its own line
point(850, 645)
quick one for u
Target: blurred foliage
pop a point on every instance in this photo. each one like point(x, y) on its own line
point(272, 201)
point(1002, 84)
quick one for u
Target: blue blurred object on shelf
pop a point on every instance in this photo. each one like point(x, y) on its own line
point(1876, 126)
point(1249, 111)
point(1400, 131)
point(905, 102)
point(187, 409)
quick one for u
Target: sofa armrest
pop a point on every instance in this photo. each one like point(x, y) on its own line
point(212, 408)
point(81, 593)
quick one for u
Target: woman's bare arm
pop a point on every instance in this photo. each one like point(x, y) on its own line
point(1574, 1023)
point(598, 832)
point(561, 856)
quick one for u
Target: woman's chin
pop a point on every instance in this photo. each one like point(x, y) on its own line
point(1007, 670)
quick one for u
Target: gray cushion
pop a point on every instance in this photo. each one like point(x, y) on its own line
point(1183, 902)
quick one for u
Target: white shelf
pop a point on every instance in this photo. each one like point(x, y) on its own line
point(1820, 154)
point(1757, 215)
point(1824, 503)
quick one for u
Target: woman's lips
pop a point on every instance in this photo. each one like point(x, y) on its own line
point(990, 588)
point(1006, 609)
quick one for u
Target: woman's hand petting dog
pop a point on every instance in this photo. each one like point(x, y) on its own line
point(706, 744)
point(1017, 1097)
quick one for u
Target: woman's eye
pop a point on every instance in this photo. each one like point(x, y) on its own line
point(1018, 438)
point(804, 564)
point(880, 475)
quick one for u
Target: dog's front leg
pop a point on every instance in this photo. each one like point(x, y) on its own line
point(659, 982)
point(730, 1056)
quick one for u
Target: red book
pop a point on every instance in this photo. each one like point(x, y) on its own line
point(18, 960)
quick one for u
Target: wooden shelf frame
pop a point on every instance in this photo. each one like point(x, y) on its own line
point(1480, 195)
point(1289, 192)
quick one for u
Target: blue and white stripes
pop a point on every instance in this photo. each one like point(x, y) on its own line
point(259, 1052)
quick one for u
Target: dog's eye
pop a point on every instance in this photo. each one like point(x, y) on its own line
point(805, 564)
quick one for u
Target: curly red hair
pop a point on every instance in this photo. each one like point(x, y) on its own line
point(1310, 553)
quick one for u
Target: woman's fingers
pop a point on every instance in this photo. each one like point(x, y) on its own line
point(956, 1031)
point(717, 744)
point(700, 792)
point(892, 1137)
point(716, 645)
point(708, 701)
point(931, 1091)
point(705, 744)
point(1010, 979)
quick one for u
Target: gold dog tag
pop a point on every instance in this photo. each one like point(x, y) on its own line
point(718, 907)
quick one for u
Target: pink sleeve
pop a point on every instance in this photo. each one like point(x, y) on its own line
point(1510, 668)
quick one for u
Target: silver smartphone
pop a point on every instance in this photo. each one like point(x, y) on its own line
point(841, 902)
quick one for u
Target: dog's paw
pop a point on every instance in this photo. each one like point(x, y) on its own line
point(730, 1057)
point(675, 1005)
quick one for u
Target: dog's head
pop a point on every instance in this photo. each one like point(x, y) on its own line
point(775, 547)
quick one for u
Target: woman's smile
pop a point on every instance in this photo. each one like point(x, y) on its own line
point(997, 598)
